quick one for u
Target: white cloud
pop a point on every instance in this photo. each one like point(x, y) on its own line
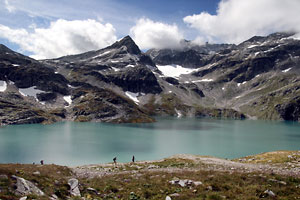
point(62, 37)
point(149, 34)
point(8, 6)
point(238, 20)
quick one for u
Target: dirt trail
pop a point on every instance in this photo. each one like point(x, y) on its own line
point(201, 163)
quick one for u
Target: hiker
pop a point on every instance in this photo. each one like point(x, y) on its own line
point(133, 158)
point(115, 160)
point(42, 162)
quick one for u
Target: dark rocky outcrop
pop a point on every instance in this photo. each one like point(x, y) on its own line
point(172, 80)
point(289, 111)
point(137, 79)
point(46, 96)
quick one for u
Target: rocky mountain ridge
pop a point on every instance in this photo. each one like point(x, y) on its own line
point(258, 78)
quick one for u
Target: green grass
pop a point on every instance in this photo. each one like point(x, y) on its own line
point(277, 157)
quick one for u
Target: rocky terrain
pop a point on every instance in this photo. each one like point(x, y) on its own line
point(274, 175)
point(257, 79)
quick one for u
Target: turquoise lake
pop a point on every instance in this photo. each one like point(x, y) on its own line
point(71, 143)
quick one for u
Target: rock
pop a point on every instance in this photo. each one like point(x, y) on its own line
point(23, 198)
point(269, 193)
point(181, 183)
point(197, 183)
point(92, 190)
point(174, 195)
point(209, 188)
point(133, 196)
point(25, 187)
point(152, 167)
point(276, 181)
point(37, 173)
point(74, 190)
point(186, 182)
point(136, 166)
point(282, 182)
point(3, 177)
point(168, 198)
point(53, 197)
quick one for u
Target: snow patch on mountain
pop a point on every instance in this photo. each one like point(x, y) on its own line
point(114, 61)
point(115, 69)
point(179, 114)
point(68, 99)
point(133, 96)
point(174, 70)
point(252, 46)
point(203, 80)
point(102, 54)
point(3, 86)
point(31, 91)
point(286, 70)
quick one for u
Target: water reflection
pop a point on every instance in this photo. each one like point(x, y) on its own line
point(188, 124)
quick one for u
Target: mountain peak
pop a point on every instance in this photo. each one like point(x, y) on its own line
point(4, 48)
point(129, 43)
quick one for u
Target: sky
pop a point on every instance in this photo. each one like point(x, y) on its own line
point(48, 29)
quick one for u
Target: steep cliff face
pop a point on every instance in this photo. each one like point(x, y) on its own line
point(258, 78)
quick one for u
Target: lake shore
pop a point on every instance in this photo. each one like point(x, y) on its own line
point(178, 177)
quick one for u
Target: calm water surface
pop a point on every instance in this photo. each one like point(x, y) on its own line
point(73, 143)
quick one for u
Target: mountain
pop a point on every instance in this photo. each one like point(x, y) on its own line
point(258, 78)
point(189, 55)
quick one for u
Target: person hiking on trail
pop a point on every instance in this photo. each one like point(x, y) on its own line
point(115, 160)
point(133, 158)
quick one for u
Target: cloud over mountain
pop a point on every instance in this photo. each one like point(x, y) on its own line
point(149, 34)
point(238, 20)
point(62, 37)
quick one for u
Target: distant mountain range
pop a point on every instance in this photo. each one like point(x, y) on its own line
point(257, 79)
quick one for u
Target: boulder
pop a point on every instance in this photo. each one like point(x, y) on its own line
point(25, 187)
point(168, 198)
point(3, 177)
point(197, 183)
point(174, 195)
point(36, 173)
point(92, 190)
point(186, 182)
point(74, 190)
point(53, 197)
point(270, 193)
